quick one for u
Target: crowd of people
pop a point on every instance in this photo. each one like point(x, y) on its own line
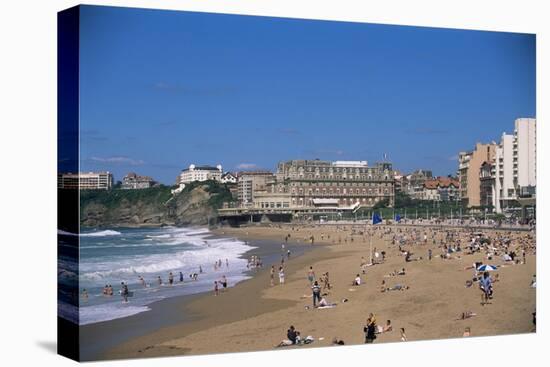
point(445, 244)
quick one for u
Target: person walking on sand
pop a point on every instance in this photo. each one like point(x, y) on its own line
point(430, 254)
point(281, 275)
point(216, 289)
point(272, 275)
point(316, 289)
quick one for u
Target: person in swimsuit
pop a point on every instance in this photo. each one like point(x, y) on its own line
point(124, 292)
point(311, 275)
point(281, 275)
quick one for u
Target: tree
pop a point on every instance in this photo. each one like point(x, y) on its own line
point(381, 204)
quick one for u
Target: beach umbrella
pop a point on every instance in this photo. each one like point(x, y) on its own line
point(487, 268)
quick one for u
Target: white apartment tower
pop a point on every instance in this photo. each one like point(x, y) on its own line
point(514, 167)
point(525, 152)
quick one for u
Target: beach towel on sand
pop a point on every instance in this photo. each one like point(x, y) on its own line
point(329, 306)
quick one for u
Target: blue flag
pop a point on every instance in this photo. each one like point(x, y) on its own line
point(376, 218)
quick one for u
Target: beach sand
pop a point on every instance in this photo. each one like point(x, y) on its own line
point(254, 316)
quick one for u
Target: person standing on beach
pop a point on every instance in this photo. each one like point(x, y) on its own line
point(159, 280)
point(486, 288)
point(272, 275)
point(370, 329)
point(224, 283)
point(171, 278)
point(403, 336)
point(288, 254)
point(429, 254)
point(311, 275)
point(281, 275)
point(316, 289)
point(216, 288)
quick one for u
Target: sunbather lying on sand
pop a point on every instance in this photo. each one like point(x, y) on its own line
point(397, 287)
point(325, 303)
point(466, 315)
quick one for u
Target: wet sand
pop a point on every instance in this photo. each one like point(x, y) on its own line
point(184, 311)
point(255, 316)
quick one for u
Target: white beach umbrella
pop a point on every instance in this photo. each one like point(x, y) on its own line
point(487, 268)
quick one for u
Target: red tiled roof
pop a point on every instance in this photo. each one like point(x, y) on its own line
point(440, 182)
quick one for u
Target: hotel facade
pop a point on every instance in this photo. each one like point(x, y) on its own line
point(328, 185)
point(199, 173)
point(85, 181)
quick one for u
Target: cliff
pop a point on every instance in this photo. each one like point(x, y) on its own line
point(156, 206)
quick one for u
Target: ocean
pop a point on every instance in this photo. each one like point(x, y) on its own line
point(112, 256)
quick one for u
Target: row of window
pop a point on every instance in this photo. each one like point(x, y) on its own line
point(344, 192)
point(332, 169)
point(338, 177)
point(350, 184)
point(273, 205)
point(344, 201)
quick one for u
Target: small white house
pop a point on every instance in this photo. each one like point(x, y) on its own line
point(228, 177)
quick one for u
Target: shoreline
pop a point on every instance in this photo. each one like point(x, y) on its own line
point(168, 313)
point(253, 316)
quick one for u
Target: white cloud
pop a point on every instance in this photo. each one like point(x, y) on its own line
point(247, 166)
point(118, 160)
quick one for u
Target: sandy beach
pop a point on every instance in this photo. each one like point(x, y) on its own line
point(255, 316)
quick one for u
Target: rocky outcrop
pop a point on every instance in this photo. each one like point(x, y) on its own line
point(195, 205)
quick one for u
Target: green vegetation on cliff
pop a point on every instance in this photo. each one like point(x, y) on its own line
point(113, 198)
point(195, 205)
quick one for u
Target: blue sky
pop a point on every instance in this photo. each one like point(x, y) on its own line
point(161, 90)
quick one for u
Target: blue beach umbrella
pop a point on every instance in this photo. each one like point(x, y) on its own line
point(487, 268)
